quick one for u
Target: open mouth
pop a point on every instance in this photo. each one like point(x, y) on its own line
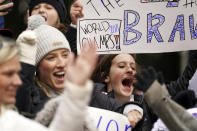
point(44, 17)
point(127, 83)
point(59, 76)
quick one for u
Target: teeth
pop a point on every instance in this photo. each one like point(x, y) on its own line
point(60, 73)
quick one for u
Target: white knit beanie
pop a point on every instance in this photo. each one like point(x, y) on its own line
point(49, 39)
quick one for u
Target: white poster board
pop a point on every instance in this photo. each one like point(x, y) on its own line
point(138, 26)
point(106, 120)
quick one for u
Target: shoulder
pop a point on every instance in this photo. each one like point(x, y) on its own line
point(11, 120)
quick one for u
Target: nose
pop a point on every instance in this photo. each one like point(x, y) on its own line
point(129, 70)
point(41, 10)
point(17, 81)
point(61, 62)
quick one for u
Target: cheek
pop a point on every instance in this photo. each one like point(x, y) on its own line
point(115, 77)
point(52, 19)
point(4, 84)
point(34, 12)
point(46, 69)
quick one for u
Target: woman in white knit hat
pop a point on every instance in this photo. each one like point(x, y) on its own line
point(78, 91)
point(45, 51)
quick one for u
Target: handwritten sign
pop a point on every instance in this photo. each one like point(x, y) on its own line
point(108, 120)
point(138, 26)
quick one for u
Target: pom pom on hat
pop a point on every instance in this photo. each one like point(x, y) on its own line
point(35, 21)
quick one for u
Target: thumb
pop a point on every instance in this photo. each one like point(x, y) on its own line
point(160, 78)
point(27, 37)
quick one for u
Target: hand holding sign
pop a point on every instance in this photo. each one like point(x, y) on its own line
point(134, 117)
point(76, 11)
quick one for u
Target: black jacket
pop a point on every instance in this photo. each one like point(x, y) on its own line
point(30, 98)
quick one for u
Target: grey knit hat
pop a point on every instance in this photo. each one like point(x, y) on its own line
point(49, 39)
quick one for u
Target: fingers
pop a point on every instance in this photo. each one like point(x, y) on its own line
point(5, 6)
point(145, 74)
point(80, 69)
point(71, 58)
point(152, 72)
point(89, 53)
point(134, 117)
point(3, 13)
point(160, 78)
point(27, 37)
point(147, 77)
point(140, 83)
point(76, 11)
point(77, 4)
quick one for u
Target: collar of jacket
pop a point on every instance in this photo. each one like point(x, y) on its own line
point(3, 108)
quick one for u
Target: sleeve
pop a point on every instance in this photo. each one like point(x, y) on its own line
point(23, 97)
point(175, 117)
point(131, 107)
point(12, 121)
point(46, 115)
point(71, 111)
point(182, 82)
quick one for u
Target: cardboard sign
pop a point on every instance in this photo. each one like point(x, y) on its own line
point(109, 121)
point(138, 26)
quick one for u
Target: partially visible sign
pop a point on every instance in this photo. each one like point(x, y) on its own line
point(109, 121)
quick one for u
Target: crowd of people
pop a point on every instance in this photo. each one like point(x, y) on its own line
point(46, 85)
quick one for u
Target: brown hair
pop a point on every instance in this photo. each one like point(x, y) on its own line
point(62, 27)
point(103, 67)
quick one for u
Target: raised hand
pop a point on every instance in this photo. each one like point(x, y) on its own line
point(79, 71)
point(134, 117)
point(5, 6)
point(27, 45)
point(147, 77)
point(76, 12)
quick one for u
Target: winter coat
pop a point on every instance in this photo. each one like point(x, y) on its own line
point(72, 107)
point(30, 98)
point(175, 117)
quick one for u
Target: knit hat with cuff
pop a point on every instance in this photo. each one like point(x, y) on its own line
point(57, 4)
point(49, 39)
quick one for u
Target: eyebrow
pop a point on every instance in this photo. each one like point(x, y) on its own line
point(65, 51)
point(126, 62)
